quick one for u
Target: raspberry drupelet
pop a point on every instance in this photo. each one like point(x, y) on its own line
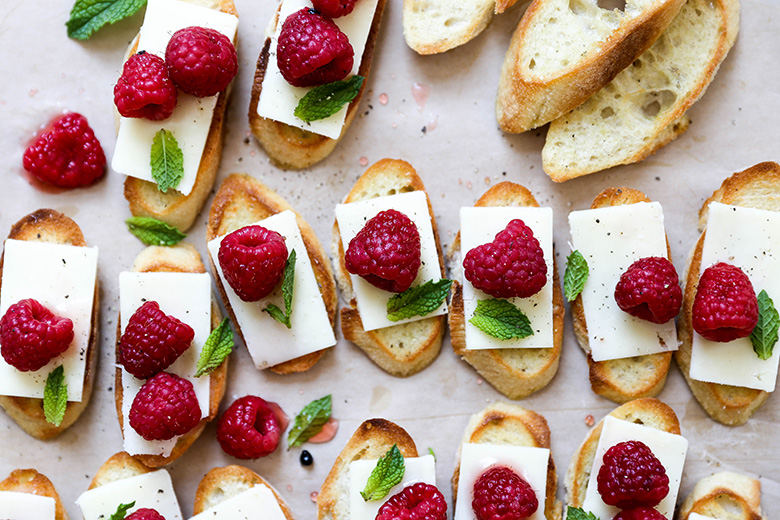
point(248, 429)
point(31, 335)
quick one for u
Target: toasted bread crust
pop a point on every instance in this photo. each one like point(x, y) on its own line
point(118, 466)
point(425, 39)
point(30, 481)
point(243, 200)
point(725, 495)
point(220, 484)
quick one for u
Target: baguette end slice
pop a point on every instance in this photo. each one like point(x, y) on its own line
point(220, 484)
point(725, 495)
point(30, 481)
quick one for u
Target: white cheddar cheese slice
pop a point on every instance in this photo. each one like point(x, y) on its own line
point(416, 469)
point(479, 226)
point(26, 506)
point(62, 278)
point(152, 490)
point(256, 502)
point(268, 341)
point(697, 516)
point(611, 239)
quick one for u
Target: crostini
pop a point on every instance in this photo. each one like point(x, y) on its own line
point(724, 496)
point(25, 491)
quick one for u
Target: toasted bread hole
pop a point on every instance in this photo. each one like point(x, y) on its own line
point(406, 189)
point(617, 96)
point(553, 20)
point(698, 12)
point(651, 109)
point(391, 191)
point(449, 22)
point(730, 506)
point(638, 421)
point(637, 64)
point(657, 101)
point(532, 64)
point(612, 5)
point(607, 112)
point(577, 7)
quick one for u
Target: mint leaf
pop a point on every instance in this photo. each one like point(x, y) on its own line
point(217, 348)
point(325, 100)
point(418, 301)
point(576, 275)
point(501, 319)
point(309, 421)
point(576, 513)
point(55, 396)
point(121, 511)
point(765, 333)
point(167, 161)
point(388, 473)
point(87, 16)
point(153, 232)
point(288, 285)
point(430, 450)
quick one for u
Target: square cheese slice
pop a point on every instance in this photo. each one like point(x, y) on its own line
point(256, 502)
point(416, 469)
point(149, 490)
point(26, 506)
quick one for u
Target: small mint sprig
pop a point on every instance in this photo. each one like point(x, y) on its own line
point(576, 513)
point(575, 276)
point(121, 511)
point(288, 285)
point(324, 101)
point(153, 232)
point(500, 319)
point(418, 301)
point(87, 16)
point(309, 421)
point(388, 473)
point(166, 160)
point(217, 348)
point(55, 396)
point(765, 333)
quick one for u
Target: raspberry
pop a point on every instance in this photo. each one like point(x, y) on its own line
point(650, 290)
point(511, 265)
point(334, 8)
point(632, 476)
point(312, 50)
point(725, 307)
point(145, 90)
point(145, 513)
point(201, 61)
point(502, 494)
point(164, 407)
point(31, 335)
point(386, 252)
point(639, 513)
point(248, 429)
point(152, 341)
point(416, 502)
point(67, 154)
point(252, 260)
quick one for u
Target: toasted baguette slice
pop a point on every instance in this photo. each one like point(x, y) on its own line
point(288, 146)
point(641, 110)
point(30, 481)
point(648, 412)
point(565, 51)
point(502, 423)
point(47, 225)
point(183, 258)
point(173, 207)
point(400, 350)
point(242, 200)
point(220, 484)
point(756, 187)
point(372, 440)
point(725, 496)
point(515, 372)
point(118, 467)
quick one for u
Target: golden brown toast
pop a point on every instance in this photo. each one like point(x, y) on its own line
point(220, 484)
point(30, 481)
point(725, 496)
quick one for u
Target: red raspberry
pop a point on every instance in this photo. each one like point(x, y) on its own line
point(650, 290)
point(152, 341)
point(511, 265)
point(164, 407)
point(334, 8)
point(145, 90)
point(639, 513)
point(201, 61)
point(248, 429)
point(145, 513)
point(386, 252)
point(416, 502)
point(31, 335)
point(725, 307)
point(312, 50)
point(502, 494)
point(253, 259)
point(67, 154)
point(632, 476)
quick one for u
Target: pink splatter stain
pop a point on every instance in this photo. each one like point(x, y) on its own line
point(282, 417)
point(432, 124)
point(364, 161)
point(313, 496)
point(383, 98)
point(420, 92)
point(327, 433)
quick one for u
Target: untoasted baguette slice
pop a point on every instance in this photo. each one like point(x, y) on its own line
point(47, 225)
point(288, 146)
point(242, 200)
point(400, 350)
point(173, 207)
point(502, 423)
point(644, 107)
point(756, 187)
point(220, 484)
point(565, 51)
point(182, 258)
point(30, 481)
point(515, 372)
point(725, 496)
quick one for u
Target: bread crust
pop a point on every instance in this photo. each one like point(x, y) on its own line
point(725, 495)
point(425, 39)
point(119, 466)
point(220, 484)
point(30, 481)
point(243, 200)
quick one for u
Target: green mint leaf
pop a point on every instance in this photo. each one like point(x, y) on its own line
point(55, 396)
point(278, 314)
point(418, 301)
point(153, 232)
point(388, 473)
point(576, 513)
point(288, 285)
point(430, 450)
point(87, 16)
point(501, 319)
point(576, 275)
point(325, 100)
point(167, 161)
point(121, 511)
point(765, 333)
point(217, 348)
point(309, 421)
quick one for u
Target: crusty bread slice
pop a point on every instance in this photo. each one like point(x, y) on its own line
point(173, 207)
point(643, 108)
point(564, 51)
point(507, 424)
point(371, 440)
point(621, 380)
point(118, 467)
point(756, 187)
point(30, 481)
point(515, 372)
point(47, 225)
point(220, 484)
point(243, 200)
point(725, 496)
point(648, 412)
point(182, 258)
point(400, 350)
point(288, 146)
